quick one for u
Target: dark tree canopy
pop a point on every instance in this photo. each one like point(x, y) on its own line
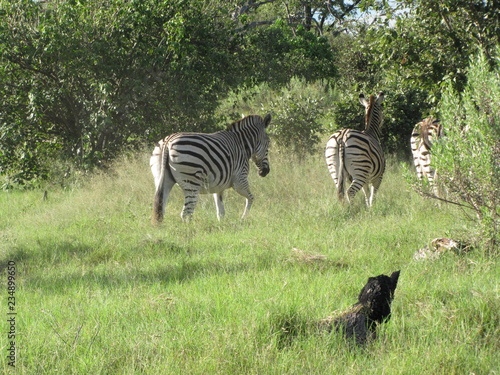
point(83, 80)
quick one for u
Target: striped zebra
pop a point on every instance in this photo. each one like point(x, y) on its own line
point(357, 156)
point(424, 134)
point(209, 164)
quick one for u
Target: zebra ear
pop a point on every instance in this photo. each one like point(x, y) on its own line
point(267, 120)
point(380, 97)
point(362, 100)
point(394, 279)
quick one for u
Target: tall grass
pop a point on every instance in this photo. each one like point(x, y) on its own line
point(100, 290)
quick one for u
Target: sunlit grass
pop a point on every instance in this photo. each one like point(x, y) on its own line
point(100, 290)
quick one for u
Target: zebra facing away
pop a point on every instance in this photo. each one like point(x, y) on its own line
point(356, 156)
point(209, 164)
point(424, 134)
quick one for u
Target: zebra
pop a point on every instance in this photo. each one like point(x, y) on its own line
point(202, 163)
point(423, 135)
point(357, 156)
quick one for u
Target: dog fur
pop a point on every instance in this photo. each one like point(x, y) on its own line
point(373, 308)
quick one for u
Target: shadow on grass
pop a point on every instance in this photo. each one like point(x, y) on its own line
point(115, 278)
point(60, 266)
point(284, 327)
point(53, 252)
point(47, 253)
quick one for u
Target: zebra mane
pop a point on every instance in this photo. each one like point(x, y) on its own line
point(369, 111)
point(234, 124)
point(373, 118)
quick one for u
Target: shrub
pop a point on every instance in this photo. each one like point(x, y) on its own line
point(468, 158)
point(297, 114)
point(299, 111)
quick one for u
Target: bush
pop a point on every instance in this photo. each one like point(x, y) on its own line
point(468, 158)
point(93, 78)
point(299, 112)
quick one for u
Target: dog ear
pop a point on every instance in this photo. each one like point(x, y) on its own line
point(394, 280)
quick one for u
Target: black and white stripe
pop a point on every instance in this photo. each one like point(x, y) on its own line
point(424, 134)
point(209, 164)
point(357, 156)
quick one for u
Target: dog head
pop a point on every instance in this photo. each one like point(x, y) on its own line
point(377, 295)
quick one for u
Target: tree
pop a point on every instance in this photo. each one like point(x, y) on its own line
point(409, 49)
point(318, 16)
point(431, 41)
point(468, 158)
point(84, 79)
point(277, 55)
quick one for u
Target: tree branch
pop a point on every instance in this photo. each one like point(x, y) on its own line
point(345, 10)
point(255, 24)
point(434, 196)
point(246, 8)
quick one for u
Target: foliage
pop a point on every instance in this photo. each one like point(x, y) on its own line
point(408, 49)
point(354, 62)
point(467, 160)
point(363, 72)
point(402, 107)
point(92, 77)
point(296, 128)
point(299, 112)
point(431, 41)
point(83, 80)
point(277, 54)
point(317, 16)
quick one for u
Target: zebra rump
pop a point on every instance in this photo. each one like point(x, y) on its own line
point(423, 135)
point(202, 163)
point(357, 156)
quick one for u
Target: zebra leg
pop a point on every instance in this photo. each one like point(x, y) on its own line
point(431, 177)
point(431, 183)
point(219, 204)
point(374, 186)
point(368, 191)
point(190, 200)
point(435, 186)
point(418, 166)
point(353, 189)
point(247, 205)
point(243, 190)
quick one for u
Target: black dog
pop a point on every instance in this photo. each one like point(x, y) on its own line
point(373, 307)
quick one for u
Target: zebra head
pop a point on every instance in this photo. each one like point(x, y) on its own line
point(261, 149)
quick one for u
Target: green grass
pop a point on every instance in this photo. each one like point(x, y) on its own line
point(102, 291)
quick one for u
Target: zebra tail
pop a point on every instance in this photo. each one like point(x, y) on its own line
point(159, 194)
point(341, 171)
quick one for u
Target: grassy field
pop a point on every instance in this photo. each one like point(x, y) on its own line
point(99, 290)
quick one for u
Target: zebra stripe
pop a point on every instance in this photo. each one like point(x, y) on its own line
point(209, 164)
point(423, 135)
point(357, 156)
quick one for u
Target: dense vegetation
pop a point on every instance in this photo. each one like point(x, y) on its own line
point(82, 81)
